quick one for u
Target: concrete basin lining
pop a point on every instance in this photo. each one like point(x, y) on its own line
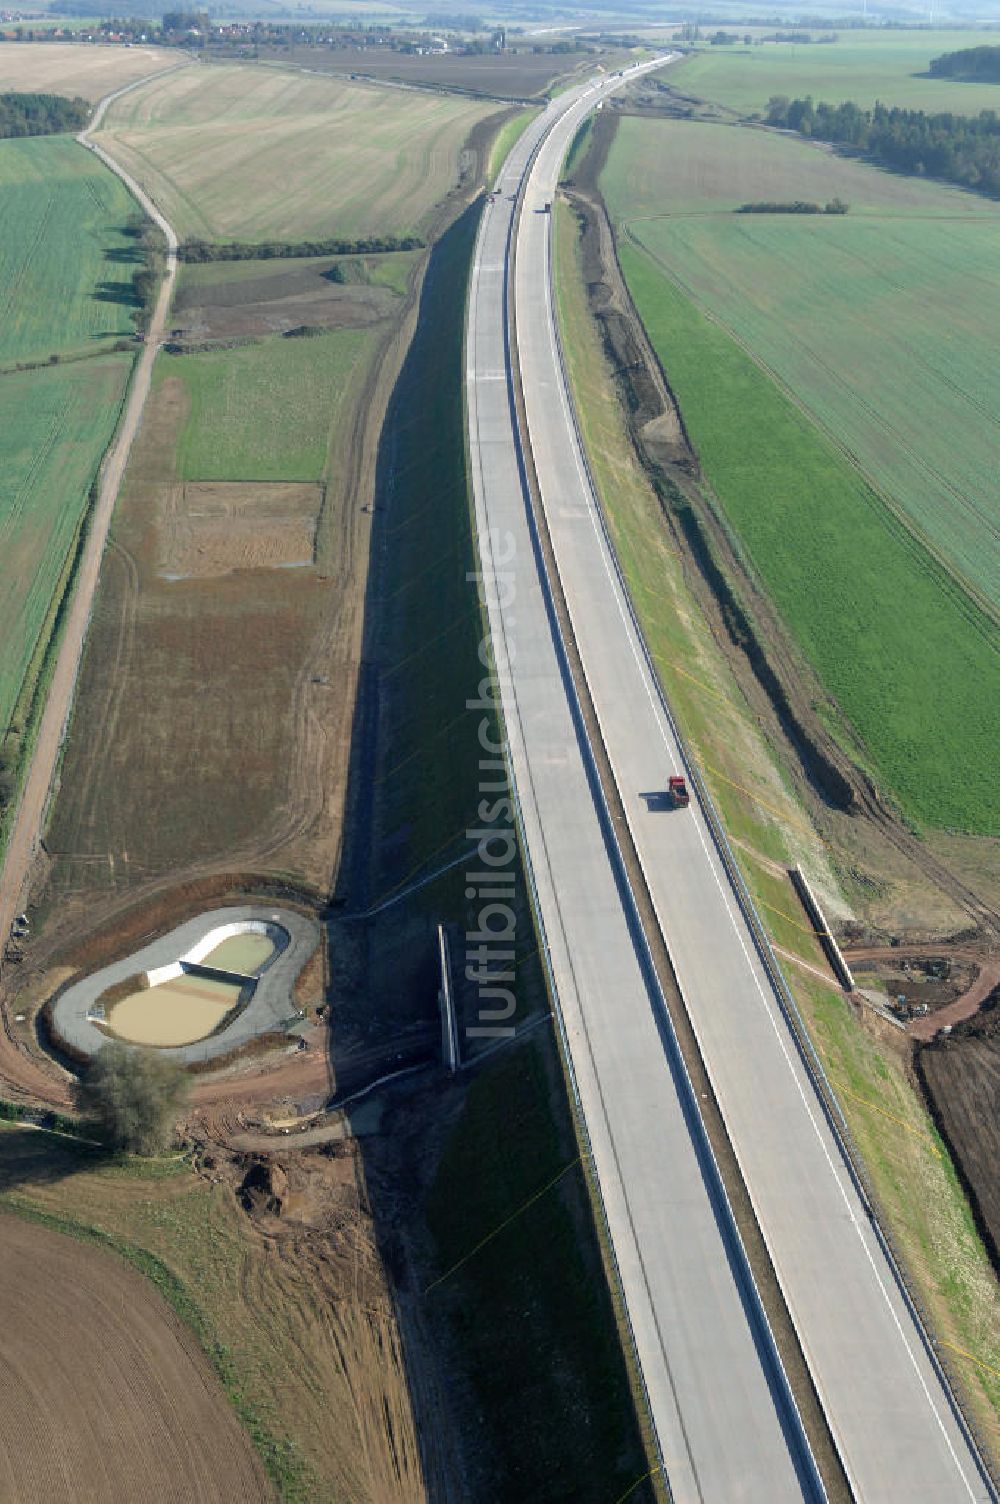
point(270, 1006)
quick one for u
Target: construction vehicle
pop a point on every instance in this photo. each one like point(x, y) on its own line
point(678, 791)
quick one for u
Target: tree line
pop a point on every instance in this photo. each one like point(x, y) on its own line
point(971, 63)
point(794, 206)
point(962, 149)
point(269, 250)
point(40, 115)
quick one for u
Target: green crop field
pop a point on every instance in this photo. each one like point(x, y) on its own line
point(66, 263)
point(883, 323)
point(54, 427)
point(265, 411)
point(256, 153)
point(902, 654)
point(863, 66)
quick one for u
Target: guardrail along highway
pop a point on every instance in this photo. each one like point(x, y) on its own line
point(893, 1422)
point(719, 1401)
point(726, 1424)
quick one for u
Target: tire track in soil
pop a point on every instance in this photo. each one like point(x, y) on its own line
point(25, 835)
point(140, 1413)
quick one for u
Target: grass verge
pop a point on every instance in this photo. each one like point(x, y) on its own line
point(506, 139)
point(857, 593)
point(912, 1173)
point(921, 1197)
point(757, 808)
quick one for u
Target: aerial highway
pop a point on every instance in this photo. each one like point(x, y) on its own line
point(898, 1433)
point(726, 1425)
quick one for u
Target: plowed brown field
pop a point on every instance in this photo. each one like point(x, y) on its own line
point(103, 1393)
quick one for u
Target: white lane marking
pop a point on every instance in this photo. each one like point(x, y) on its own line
point(668, 741)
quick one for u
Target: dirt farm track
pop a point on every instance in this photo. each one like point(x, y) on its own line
point(103, 1393)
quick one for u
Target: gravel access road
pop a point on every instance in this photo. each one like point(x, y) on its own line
point(29, 821)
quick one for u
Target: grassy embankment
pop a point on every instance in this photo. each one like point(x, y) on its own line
point(544, 1385)
point(856, 590)
point(506, 139)
point(758, 809)
point(914, 1178)
point(66, 263)
point(925, 1205)
point(865, 66)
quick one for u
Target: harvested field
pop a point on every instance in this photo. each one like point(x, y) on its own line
point(287, 1297)
point(351, 159)
point(215, 527)
point(105, 1395)
point(510, 75)
point(77, 67)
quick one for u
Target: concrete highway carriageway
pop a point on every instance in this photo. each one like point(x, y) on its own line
point(725, 1419)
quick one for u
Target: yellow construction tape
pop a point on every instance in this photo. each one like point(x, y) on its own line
point(686, 674)
point(884, 1112)
point(971, 1357)
point(633, 1486)
point(505, 1223)
point(752, 794)
point(819, 934)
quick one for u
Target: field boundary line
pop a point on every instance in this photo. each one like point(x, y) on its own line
point(39, 783)
point(955, 582)
point(801, 1039)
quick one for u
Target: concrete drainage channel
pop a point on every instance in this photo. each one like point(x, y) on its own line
point(204, 989)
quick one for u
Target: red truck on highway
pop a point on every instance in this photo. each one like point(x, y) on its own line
point(678, 790)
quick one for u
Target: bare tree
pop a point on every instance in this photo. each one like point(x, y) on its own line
point(131, 1098)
